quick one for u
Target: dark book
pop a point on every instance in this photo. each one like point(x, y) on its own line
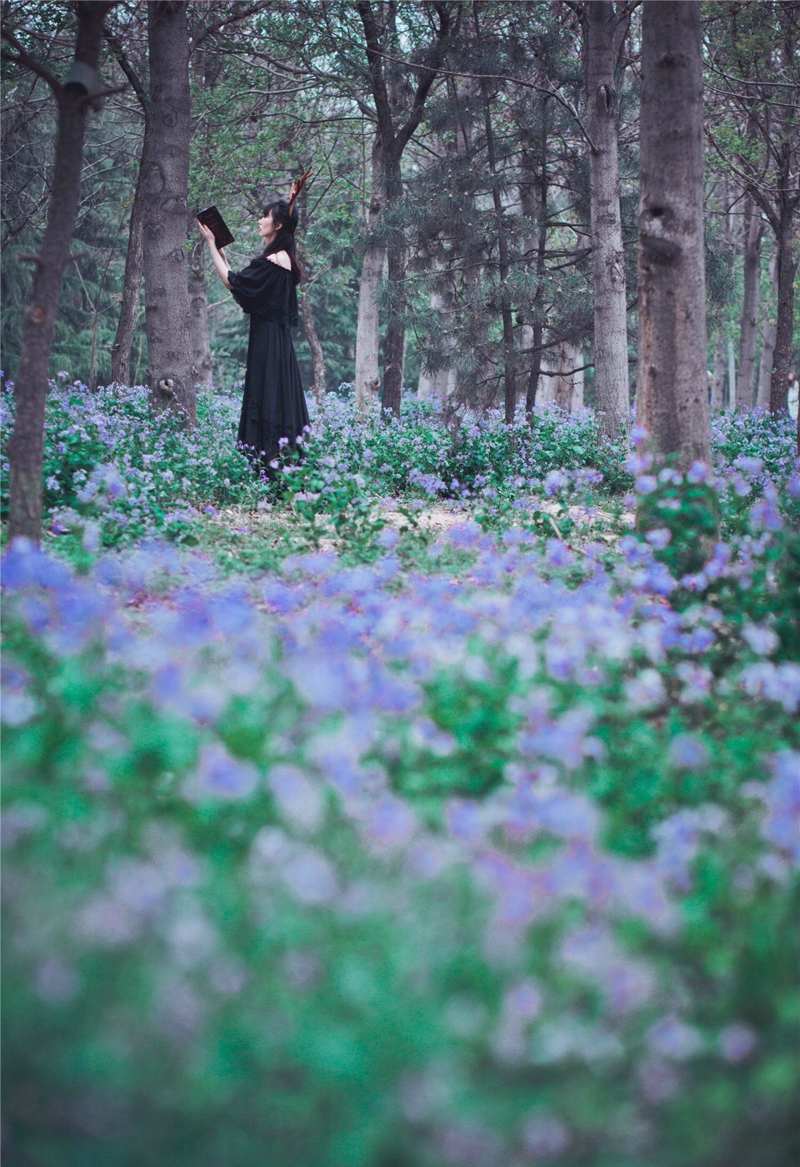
point(212, 219)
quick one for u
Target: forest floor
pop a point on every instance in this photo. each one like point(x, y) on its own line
point(245, 525)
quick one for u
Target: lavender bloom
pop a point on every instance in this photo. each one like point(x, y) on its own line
point(763, 641)
point(673, 1038)
point(646, 690)
point(220, 776)
point(688, 753)
point(391, 823)
point(737, 1041)
point(779, 683)
point(659, 538)
point(698, 472)
point(299, 799)
point(555, 481)
point(558, 554)
point(309, 877)
point(646, 484)
point(545, 1137)
point(781, 827)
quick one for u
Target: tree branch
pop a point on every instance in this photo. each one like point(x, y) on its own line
point(26, 61)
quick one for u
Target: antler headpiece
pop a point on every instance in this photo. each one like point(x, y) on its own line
point(297, 186)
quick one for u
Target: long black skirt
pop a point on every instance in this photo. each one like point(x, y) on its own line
point(274, 405)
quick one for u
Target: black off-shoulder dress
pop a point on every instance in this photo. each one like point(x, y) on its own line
point(274, 404)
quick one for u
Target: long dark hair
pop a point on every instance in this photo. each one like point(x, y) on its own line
point(284, 240)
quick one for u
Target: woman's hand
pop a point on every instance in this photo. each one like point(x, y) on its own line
point(207, 234)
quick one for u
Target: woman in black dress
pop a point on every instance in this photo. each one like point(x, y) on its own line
point(274, 412)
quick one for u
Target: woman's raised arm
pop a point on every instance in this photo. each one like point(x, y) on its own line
point(217, 256)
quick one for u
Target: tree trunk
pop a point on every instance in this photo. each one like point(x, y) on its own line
point(368, 376)
point(769, 328)
point(672, 398)
point(202, 358)
point(509, 356)
point(718, 374)
point(208, 65)
point(318, 388)
point(753, 230)
point(731, 375)
point(563, 387)
point(541, 261)
point(440, 384)
point(26, 446)
point(171, 372)
point(612, 395)
point(781, 357)
point(132, 284)
point(396, 323)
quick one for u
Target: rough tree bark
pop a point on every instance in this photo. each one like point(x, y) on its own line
point(541, 260)
point(166, 166)
point(786, 266)
point(209, 65)
point(612, 396)
point(131, 287)
point(306, 308)
point(134, 261)
point(368, 378)
point(753, 230)
point(26, 446)
point(509, 355)
point(199, 335)
point(391, 141)
point(769, 327)
point(718, 374)
point(394, 358)
point(672, 396)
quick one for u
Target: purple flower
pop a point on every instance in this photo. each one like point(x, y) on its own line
point(698, 472)
point(558, 554)
point(688, 753)
point(310, 877)
point(673, 1038)
point(646, 484)
point(782, 796)
point(221, 776)
point(545, 1137)
point(659, 538)
point(737, 1041)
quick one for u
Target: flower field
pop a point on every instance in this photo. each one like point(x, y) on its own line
point(335, 837)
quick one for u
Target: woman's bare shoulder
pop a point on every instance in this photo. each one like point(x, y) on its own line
point(281, 258)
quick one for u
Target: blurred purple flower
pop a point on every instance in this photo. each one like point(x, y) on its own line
point(545, 1137)
point(218, 775)
point(737, 1041)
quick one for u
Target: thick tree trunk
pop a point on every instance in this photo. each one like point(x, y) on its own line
point(672, 397)
point(368, 378)
point(541, 259)
point(132, 284)
point(202, 358)
point(612, 396)
point(753, 230)
point(26, 446)
point(731, 349)
point(396, 323)
point(769, 329)
point(509, 355)
point(171, 372)
point(781, 357)
point(718, 374)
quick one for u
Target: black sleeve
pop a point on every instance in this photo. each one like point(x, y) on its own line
point(250, 286)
